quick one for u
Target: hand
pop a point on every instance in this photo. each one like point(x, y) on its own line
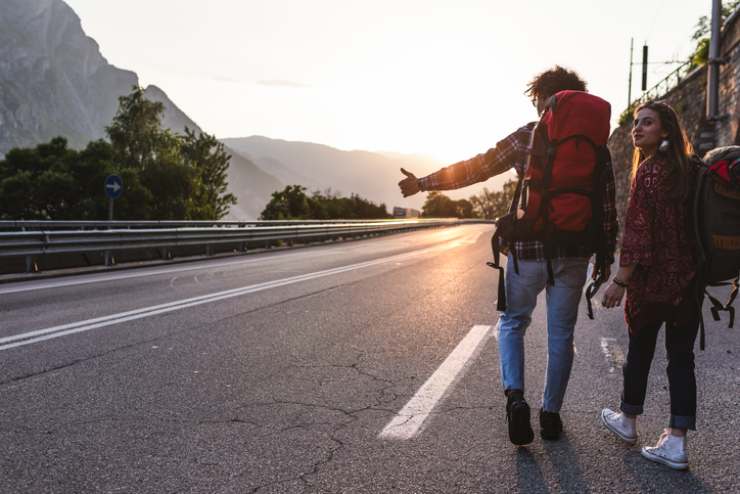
point(613, 296)
point(409, 185)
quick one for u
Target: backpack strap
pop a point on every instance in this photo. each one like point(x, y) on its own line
point(496, 264)
point(702, 337)
point(603, 156)
point(590, 292)
point(548, 241)
point(731, 299)
point(699, 294)
point(496, 241)
point(718, 307)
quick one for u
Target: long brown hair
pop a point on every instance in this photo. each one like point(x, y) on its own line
point(679, 153)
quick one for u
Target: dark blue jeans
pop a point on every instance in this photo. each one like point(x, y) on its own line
point(680, 336)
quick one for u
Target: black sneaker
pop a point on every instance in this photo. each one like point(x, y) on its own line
point(517, 414)
point(551, 425)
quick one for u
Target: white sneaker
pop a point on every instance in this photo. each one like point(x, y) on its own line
point(670, 451)
point(619, 424)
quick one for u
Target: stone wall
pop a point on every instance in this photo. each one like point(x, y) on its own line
point(689, 101)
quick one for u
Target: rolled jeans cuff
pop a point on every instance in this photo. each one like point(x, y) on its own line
point(631, 409)
point(682, 422)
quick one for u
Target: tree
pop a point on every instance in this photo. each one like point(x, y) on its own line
point(438, 205)
point(136, 131)
point(292, 203)
point(174, 177)
point(702, 30)
point(210, 164)
point(287, 204)
point(166, 176)
point(37, 183)
point(464, 208)
point(491, 205)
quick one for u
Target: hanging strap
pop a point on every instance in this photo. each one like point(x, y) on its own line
point(550, 273)
point(515, 258)
point(718, 307)
point(496, 242)
point(731, 299)
point(496, 264)
point(590, 292)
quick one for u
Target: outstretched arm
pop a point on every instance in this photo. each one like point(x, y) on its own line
point(511, 152)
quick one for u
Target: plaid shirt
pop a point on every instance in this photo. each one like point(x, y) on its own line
point(512, 152)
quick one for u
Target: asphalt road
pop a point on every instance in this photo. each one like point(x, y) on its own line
point(368, 366)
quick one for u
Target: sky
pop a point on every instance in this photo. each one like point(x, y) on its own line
point(443, 79)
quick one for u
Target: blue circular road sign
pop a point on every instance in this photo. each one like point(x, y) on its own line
point(113, 186)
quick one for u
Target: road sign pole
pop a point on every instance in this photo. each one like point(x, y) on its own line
point(113, 189)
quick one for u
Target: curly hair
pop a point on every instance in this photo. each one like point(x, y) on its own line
point(553, 81)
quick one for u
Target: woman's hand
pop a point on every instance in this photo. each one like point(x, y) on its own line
point(613, 296)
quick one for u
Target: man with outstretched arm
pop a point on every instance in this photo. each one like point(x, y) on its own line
point(562, 273)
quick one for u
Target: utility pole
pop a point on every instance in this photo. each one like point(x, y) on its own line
point(644, 66)
point(629, 87)
point(714, 63)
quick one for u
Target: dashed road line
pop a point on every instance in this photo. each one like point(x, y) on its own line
point(613, 353)
point(409, 422)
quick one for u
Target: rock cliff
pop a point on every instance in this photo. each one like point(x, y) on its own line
point(54, 81)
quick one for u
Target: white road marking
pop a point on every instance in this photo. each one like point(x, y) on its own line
point(31, 286)
point(36, 336)
point(409, 421)
point(613, 353)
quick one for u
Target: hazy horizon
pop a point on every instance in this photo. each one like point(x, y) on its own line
point(435, 79)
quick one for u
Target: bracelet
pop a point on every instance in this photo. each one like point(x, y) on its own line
point(619, 283)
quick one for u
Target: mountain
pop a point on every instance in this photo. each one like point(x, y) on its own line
point(250, 184)
point(54, 81)
point(372, 175)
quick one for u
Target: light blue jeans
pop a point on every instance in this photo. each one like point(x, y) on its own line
point(562, 312)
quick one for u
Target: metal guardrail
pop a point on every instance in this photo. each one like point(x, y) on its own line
point(667, 84)
point(108, 225)
point(36, 239)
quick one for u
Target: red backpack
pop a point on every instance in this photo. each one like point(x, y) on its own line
point(560, 193)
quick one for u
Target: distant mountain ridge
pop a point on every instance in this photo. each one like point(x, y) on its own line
point(55, 82)
point(372, 175)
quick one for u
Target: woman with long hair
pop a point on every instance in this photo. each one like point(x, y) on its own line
point(657, 271)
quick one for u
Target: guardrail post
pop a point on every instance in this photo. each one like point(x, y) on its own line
point(208, 250)
point(31, 267)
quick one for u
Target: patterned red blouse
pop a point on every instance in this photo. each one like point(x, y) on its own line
point(657, 237)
